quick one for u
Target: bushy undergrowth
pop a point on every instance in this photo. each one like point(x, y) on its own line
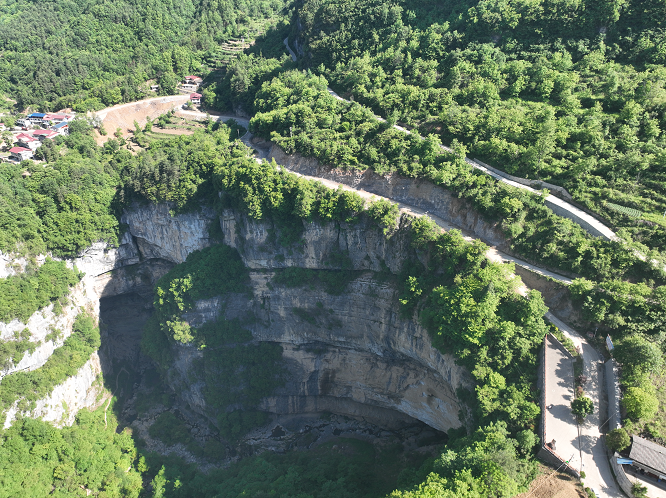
point(36, 459)
point(296, 111)
point(23, 294)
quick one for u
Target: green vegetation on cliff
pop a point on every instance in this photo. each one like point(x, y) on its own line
point(296, 111)
point(65, 361)
point(23, 294)
point(237, 371)
point(37, 459)
point(570, 93)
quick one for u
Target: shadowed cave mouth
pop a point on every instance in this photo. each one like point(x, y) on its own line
point(161, 415)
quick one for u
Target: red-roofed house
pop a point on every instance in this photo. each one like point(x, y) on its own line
point(28, 141)
point(193, 80)
point(55, 118)
point(19, 153)
point(42, 134)
point(195, 98)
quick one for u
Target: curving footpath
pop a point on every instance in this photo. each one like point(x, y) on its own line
point(592, 458)
point(557, 205)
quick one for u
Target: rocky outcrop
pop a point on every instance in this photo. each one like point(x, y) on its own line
point(162, 236)
point(418, 193)
point(83, 390)
point(351, 354)
point(45, 323)
point(358, 245)
point(49, 329)
point(355, 354)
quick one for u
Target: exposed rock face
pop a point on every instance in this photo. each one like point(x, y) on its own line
point(356, 355)
point(43, 323)
point(365, 247)
point(414, 192)
point(351, 354)
point(160, 235)
point(83, 390)
point(80, 390)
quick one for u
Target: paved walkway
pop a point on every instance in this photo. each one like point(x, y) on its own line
point(561, 425)
point(572, 212)
point(593, 456)
point(171, 98)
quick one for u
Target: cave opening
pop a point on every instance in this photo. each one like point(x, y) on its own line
point(162, 417)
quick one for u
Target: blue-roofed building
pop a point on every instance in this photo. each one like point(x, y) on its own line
point(61, 128)
point(36, 118)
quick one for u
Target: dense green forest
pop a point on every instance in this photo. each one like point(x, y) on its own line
point(568, 92)
point(88, 55)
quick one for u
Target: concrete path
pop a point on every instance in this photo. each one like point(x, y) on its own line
point(654, 491)
point(589, 449)
point(561, 425)
point(594, 458)
point(200, 116)
point(171, 98)
point(291, 52)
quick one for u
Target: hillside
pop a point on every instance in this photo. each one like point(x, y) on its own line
point(363, 313)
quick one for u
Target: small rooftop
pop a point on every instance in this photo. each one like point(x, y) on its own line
point(195, 96)
point(16, 150)
point(649, 454)
point(60, 125)
point(36, 115)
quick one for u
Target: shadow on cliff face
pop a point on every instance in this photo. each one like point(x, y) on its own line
point(124, 366)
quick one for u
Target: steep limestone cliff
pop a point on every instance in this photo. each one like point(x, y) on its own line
point(355, 355)
point(352, 354)
point(50, 330)
point(160, 235)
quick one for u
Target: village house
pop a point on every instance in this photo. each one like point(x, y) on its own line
point(154, 88)
point(43, 119)
point(44, 134)
point(648, 458)
point(195, 98)
point(19, 154)
point(36, 118)
point(56, 118)
point(28, 141)
point(191, 83)
point(193, 80)
point(61, 128)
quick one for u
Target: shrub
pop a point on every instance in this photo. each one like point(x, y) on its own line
point(618, 439)
point(640, 403)
point(582, 407)
point(638, 353)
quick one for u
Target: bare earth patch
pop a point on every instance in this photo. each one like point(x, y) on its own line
point(553, 485)
point(123, 116)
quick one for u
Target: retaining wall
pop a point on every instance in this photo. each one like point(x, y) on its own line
point(535, 184)
point(613, 391)
point(560, 203)
point(621, 477)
